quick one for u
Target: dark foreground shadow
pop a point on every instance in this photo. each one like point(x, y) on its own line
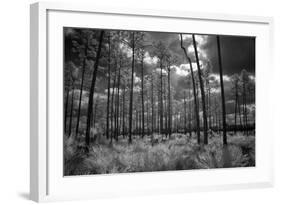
point(24, 195)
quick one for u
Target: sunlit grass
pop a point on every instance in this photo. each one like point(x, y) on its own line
point(180, 152)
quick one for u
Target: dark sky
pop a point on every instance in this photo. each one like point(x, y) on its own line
point(237, 53)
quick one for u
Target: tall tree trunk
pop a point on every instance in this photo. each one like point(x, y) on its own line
point(205, 123)
point(161, 98)
point(135, 130)
point(239, 111)
point(209, 102)
point(165, 107)
point(219, 117)
point(92, 89)
point(71, 111)
point(117, 103)
point(245, 108)
point(142, 97)
point(159, 111)
point(169, 102)
point(235, 110)
point(216, 112)
point(189, 114)
point(184, 108)
point(81, 88)
point(222, 93)
point(194, 92)
point(112, 108)
point(108, 90)
point(95, 111)
point(140, 122)
point(113, 104)
point(65, 110)
point(152, 106)
point(210, 108)
point(123, 116)
point(132, 89)
point(147, 117)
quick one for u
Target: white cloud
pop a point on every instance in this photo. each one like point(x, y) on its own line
point(190, 49)
point(125, 49)
point(158, 70)
point(137, 89)
point(215, 90)
point(150, 60)
point(217, 77)
point(182, 70)
point(136, 78)
point(226, 78)
point(186, 36)
point(201, 53)
point(230, 102)
point(200, 39)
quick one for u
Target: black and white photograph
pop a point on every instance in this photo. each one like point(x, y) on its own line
point(143, 101)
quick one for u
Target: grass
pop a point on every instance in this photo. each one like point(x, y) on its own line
point(180, 152)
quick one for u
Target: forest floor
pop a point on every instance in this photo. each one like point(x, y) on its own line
point(180, 152)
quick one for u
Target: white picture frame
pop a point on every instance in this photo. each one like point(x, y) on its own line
point(46, 178)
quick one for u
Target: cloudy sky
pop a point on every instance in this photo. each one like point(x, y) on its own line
point(238, 53)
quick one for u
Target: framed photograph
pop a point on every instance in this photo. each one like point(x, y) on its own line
point(128, 102)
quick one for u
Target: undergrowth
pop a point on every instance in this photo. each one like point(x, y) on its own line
point(180, 152)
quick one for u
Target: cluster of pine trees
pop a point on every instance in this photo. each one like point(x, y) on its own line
point(103, 94)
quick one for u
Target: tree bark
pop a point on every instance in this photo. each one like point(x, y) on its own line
point(184, 108)
point(65, 109)
point(132, 89)
point(91, 95)
point(194, 92)
point(189, 114)
point(108, 90)
point(152, 106)
point(236, 104)
point(239, 112)
point(161, 99)
point(117, 103)
point(95, 111)
point(113, 107)
point(222, 93)
point(81, 88)
point(123, 116)
point(245, 108)
point(169, 103)
point(147, 117)
point(71, 111)
point(142, 97)
point(165, 107)
point(205, 123)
